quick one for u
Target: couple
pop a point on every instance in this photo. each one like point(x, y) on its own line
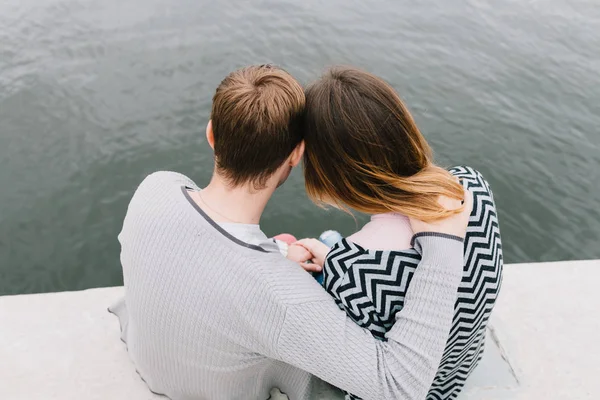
point(215, 310)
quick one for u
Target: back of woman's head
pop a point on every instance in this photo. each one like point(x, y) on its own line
point(364, 151)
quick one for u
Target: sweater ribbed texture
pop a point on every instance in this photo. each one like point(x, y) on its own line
point(205, 317)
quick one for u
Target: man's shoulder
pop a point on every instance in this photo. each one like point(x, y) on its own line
point(156, 196)
point(162, 182)
point(286, 282)
point(167, 177)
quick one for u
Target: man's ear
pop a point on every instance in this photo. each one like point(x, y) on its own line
point(210, 136)
point(297, 154)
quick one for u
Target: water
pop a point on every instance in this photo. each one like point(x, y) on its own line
point(94, 95)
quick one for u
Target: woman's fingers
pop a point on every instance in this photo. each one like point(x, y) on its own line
point(310, 267)
point(308, 243)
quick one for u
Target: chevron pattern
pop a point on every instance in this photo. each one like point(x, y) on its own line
point(370, 286)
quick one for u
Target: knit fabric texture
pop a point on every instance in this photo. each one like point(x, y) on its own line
point(206, 316)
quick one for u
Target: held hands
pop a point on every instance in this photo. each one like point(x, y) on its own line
point(306, 250)
point(301, 255)
point(318, 251)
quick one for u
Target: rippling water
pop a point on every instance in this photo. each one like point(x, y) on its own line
point(94, 95)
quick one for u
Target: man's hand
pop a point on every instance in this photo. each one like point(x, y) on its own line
point(301, 255)
point(317, 249)
point(455, 225)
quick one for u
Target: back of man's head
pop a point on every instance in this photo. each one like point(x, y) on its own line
point(256, 114)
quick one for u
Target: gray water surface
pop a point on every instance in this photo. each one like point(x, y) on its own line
point(95, 95)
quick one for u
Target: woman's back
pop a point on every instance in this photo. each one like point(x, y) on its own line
point(389, 231)
point(370, 285)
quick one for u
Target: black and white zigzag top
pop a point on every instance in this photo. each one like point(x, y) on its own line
point(370, 286)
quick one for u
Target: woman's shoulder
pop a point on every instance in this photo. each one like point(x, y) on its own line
point(464, 171)
point(471, 178)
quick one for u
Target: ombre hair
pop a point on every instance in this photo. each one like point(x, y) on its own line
point(365, 152)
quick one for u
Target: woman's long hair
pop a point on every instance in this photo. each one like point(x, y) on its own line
point(365, 152)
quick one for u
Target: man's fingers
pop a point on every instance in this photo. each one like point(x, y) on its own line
point(453, 204)
point(448, 203)
point(468, 201)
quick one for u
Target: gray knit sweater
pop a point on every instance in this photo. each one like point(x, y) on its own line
point(206, 316)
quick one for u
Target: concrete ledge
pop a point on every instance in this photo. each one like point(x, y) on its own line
point(65, 346)
point(543, 341)
point(547, 323)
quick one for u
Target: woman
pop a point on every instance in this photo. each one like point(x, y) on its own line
point(364, 152)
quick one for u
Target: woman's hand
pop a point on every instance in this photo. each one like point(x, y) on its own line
point(317, 249)
point(455, 225)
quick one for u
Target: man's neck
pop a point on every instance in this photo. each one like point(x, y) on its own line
point(242, 204)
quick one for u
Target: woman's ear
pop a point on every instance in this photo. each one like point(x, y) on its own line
point(297, 154)
point(210, 136)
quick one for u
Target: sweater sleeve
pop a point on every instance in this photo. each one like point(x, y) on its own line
point(319, 338)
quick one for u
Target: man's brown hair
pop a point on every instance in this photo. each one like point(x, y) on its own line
point(364, 150)
point(255, 116)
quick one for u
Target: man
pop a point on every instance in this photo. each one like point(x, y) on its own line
point(214, 311)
